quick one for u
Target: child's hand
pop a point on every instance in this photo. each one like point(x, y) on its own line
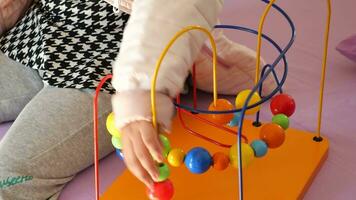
point(141, 148)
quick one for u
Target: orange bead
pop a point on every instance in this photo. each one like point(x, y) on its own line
point(221, 105)
point(272, 134)
point(221, 161)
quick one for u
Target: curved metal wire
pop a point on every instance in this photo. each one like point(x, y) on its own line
point(242, 110)
point(258, 85)
point(279, 86)
point(278, 59)
point(254, 89)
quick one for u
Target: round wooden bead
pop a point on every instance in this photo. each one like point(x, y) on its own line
point(176, 157)
point(220, 161)
point(242, 97)
point(235, 120)
point(166, 144)
point(161, 191)
point(119, 154)
point(110, 126)
point(272, 134)
point(282, 104)
point(282, 120)
point(164, 172)
point(259, 147)
point(198, 160)
point(221, 105)
point(246, 152)
point(116, 142)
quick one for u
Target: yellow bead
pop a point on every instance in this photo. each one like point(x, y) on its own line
point(241, 99)
point(116, 142)
point(110, 125)
point(176, 157)
point(246, 152)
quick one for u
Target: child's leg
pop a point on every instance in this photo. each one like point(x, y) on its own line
point(50, 141)
point(18, 84)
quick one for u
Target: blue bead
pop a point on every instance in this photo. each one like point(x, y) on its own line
point(198, 160)
point(235, 120)
point(120, 154)
point(259, 147)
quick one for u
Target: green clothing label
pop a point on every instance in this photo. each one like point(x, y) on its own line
point(11, 181)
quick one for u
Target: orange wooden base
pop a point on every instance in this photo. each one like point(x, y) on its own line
point(283, 174)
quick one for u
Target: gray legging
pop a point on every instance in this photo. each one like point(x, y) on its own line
point(51, 138)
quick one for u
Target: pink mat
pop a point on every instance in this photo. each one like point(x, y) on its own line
point(337, 178)
point(3, 128)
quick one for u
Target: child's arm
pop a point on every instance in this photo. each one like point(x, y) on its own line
point(10, 12)
point(151, 26)
point(123, 5)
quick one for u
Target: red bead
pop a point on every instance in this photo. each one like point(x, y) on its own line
point(162, 191)
point(221, 161)
point(282, 104)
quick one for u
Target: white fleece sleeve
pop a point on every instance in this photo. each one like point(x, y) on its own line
point(152, 25)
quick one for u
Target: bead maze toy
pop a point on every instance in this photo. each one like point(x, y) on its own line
point(227, 156)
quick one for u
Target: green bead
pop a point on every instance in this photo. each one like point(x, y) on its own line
point(281, 120)
point(166, 144)
point(116, 142)
point(164, 172)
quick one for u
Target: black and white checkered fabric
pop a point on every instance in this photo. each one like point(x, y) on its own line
point(72, 43)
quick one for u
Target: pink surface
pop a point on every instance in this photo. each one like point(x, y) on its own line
point(347, 47)
point(3, 128)
point(82, 187)
point(337, 178)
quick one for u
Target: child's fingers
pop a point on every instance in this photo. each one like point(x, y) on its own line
point(134, 165)
point(151, 140)
point(145, 157)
